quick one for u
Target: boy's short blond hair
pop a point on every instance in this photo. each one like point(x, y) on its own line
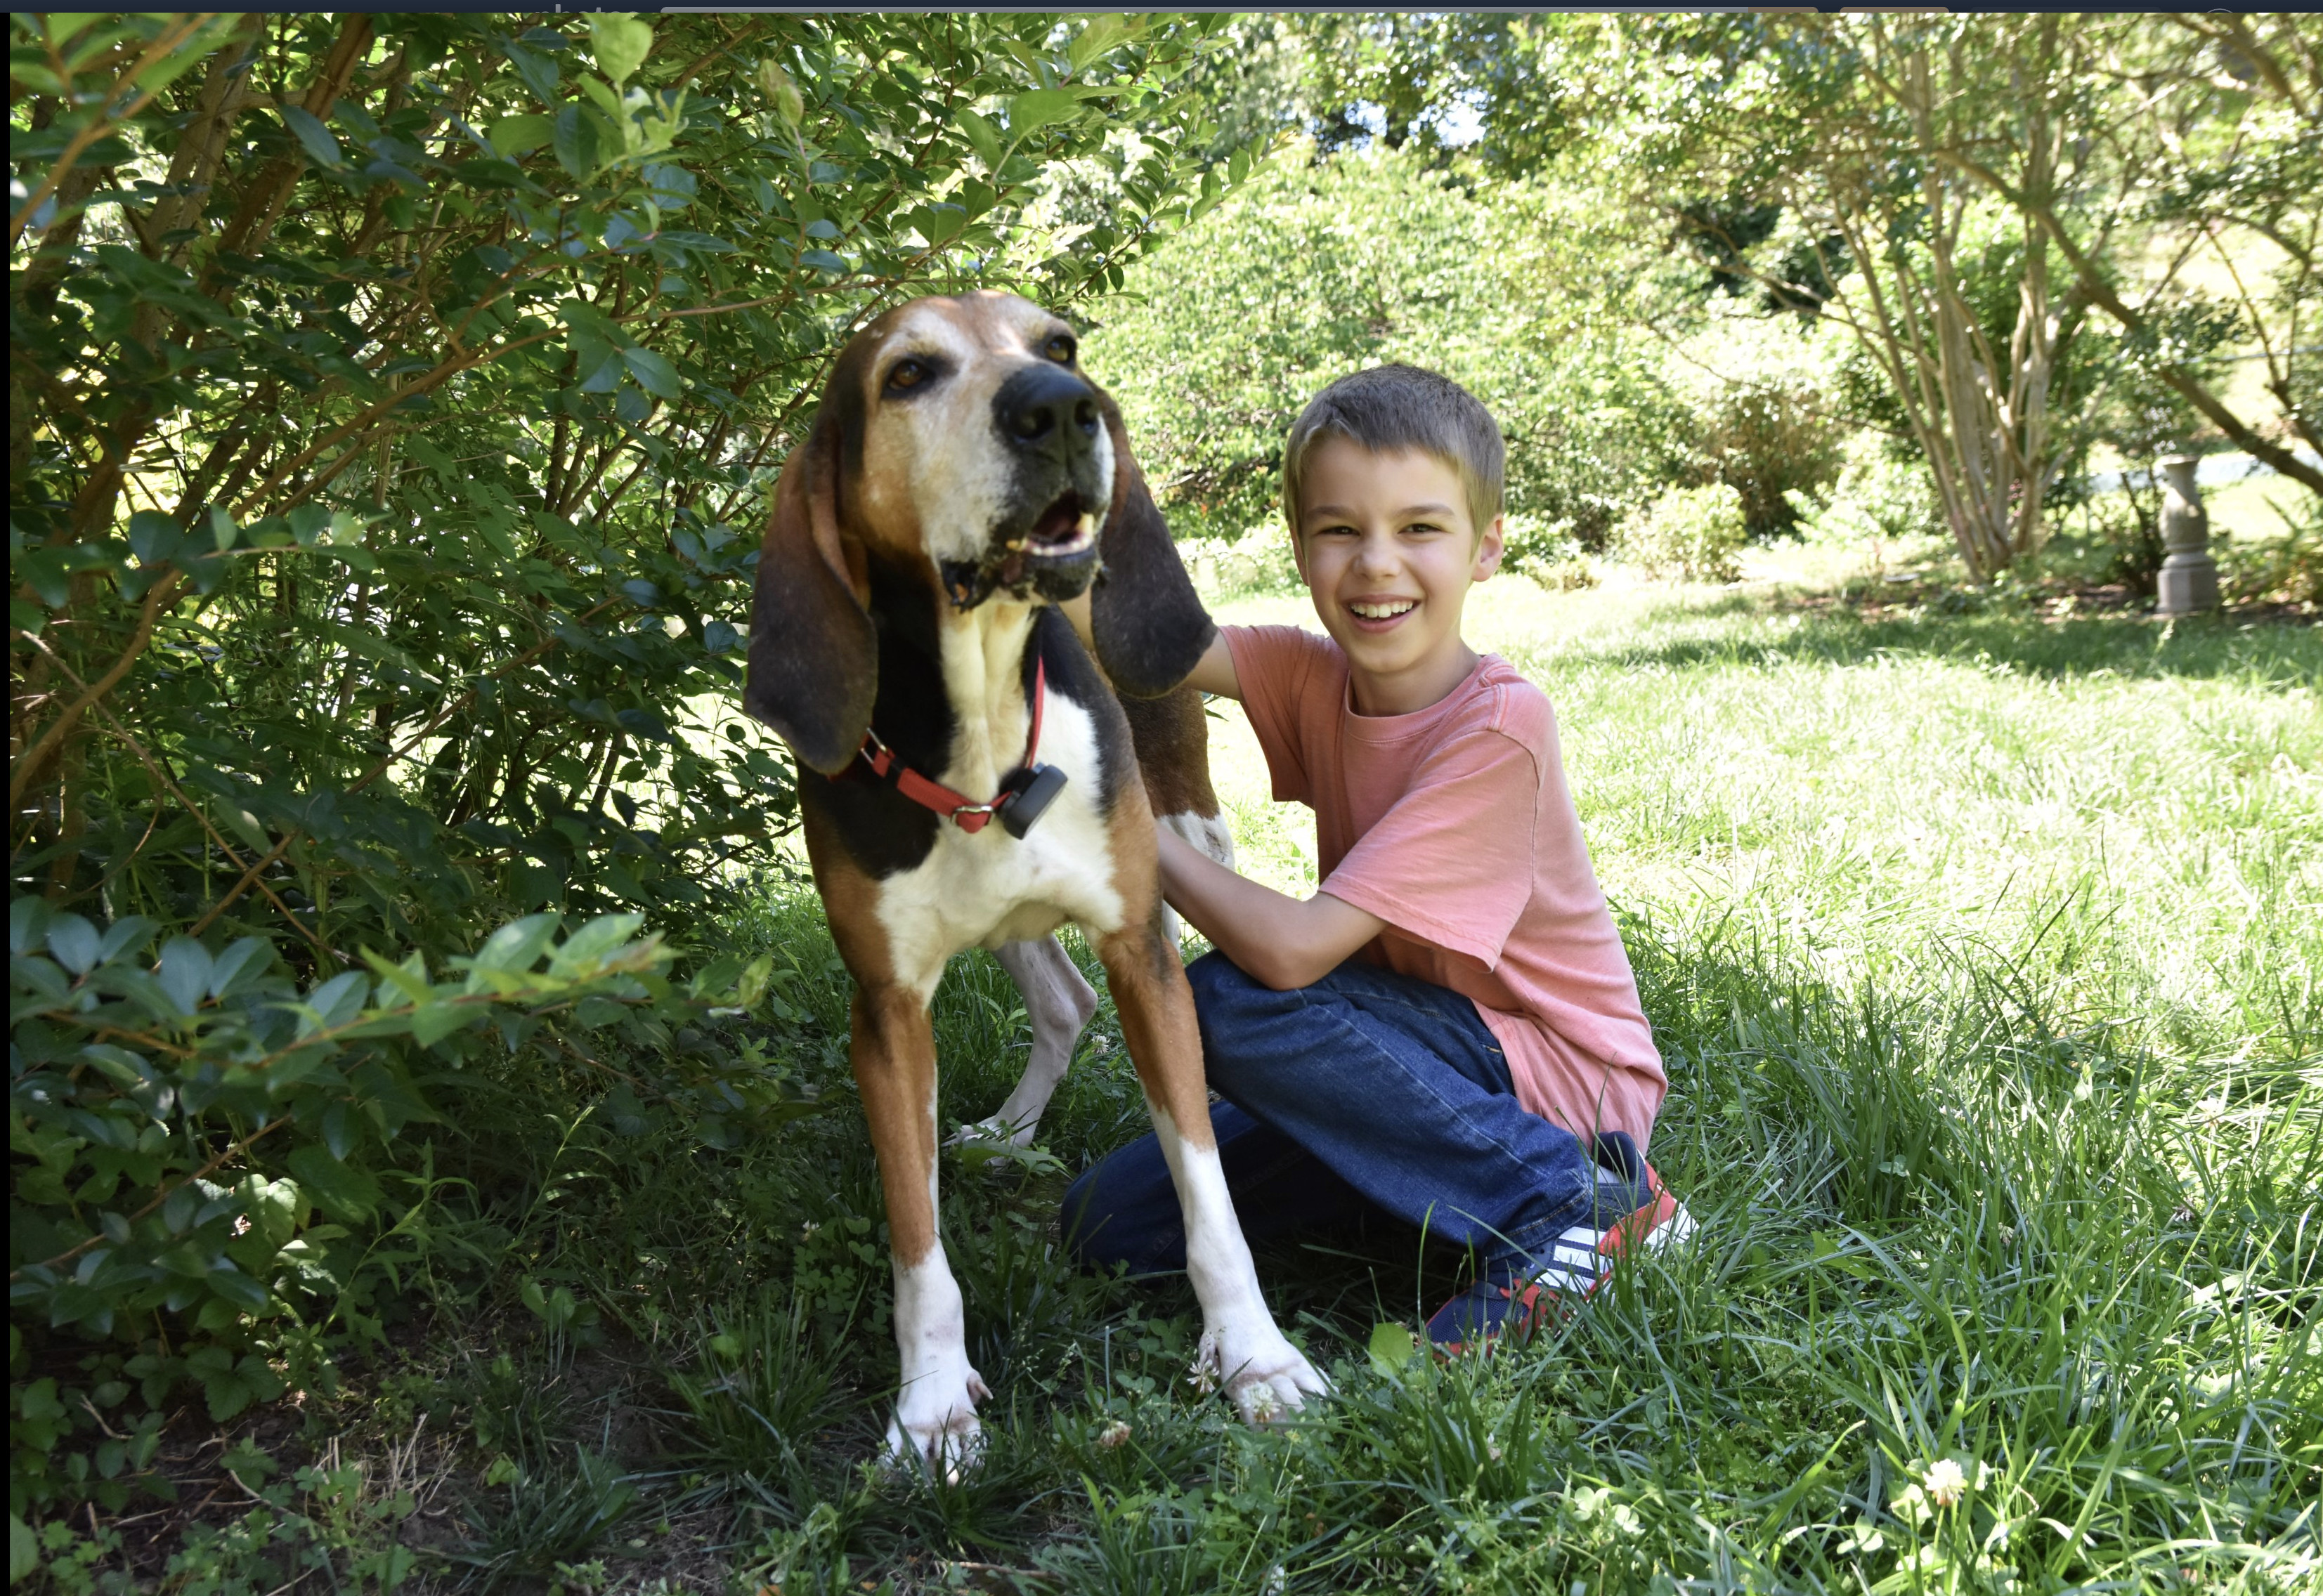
point(1390, 409)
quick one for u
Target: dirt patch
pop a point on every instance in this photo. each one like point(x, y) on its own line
point(1895, 598)
point(199, 1491)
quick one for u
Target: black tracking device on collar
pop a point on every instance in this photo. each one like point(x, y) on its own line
point(1026, 795)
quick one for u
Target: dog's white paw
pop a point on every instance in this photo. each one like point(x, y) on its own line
point(997, 1130)
point(935, 1422)
point(1268, 1379)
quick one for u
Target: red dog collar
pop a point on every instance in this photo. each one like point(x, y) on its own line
point(1025, 794)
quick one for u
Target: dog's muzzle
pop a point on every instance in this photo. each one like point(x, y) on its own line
point(1049, 426)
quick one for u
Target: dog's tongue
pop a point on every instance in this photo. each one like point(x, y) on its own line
point(1059, 522)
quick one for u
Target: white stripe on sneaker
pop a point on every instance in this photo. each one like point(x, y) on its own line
point(1672, 1231)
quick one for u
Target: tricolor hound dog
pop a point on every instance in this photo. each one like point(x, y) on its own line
point(967, 776)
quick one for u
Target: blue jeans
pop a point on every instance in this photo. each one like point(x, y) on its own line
point(1366, 1094)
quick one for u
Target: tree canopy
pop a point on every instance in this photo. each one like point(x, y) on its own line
point(2039, 230)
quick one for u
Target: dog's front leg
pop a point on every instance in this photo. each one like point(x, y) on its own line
point(892, 1049)
point(1241, 1347)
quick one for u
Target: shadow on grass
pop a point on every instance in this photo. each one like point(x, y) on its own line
point(1962, 1199)
point(2270, 650)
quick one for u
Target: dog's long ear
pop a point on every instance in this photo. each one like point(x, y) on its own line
point(815, 663)
point(1149, 626)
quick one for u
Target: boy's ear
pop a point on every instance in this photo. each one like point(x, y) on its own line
point(814, 663)
point(1490, 546)
point(1145, 619)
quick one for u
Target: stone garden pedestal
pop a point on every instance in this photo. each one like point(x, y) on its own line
point(2189, 577)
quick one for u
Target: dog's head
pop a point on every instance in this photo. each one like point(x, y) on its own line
point(958, 438)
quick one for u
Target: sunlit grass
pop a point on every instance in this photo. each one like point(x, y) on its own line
point(2141, 809)
point(1983, 951)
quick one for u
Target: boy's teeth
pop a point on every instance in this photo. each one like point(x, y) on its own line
point(1381, 611)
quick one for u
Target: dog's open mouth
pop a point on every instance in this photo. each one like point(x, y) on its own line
point(1055, 555)
point(1064, 529)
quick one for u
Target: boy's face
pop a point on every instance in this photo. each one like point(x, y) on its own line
point(1389, 550)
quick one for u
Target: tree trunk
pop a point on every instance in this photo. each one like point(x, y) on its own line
point(1979, 406)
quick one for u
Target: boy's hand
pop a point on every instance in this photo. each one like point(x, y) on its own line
point(1276, 939)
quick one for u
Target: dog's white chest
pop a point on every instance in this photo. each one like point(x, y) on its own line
point(982, 889)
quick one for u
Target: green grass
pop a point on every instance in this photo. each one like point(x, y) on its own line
point(1984, 949)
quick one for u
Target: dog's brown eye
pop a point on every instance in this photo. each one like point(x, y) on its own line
point(907, 375)
point(1060, 348)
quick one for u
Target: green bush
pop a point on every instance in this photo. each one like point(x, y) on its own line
point(1696, 533)
point(1773, 445)
point(1258, 561)
point(2285, 569)
point(1546, 552)
point(1877, 497)
point(393, 400)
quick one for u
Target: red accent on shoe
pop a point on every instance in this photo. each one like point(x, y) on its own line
point(1633, 1232)
point(1534, 1303)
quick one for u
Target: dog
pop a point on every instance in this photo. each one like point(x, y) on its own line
point(967, 776)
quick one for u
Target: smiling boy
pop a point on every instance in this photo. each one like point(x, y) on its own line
point(1448, 1032)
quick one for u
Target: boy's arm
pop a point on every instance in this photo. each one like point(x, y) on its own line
point(1278, 941)
point(1214, 674)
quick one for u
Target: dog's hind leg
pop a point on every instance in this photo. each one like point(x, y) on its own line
point(1241, 1347)
point(1058, 1002)
point(892, 1049)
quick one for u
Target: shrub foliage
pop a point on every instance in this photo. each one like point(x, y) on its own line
point(391, 401)
point(1691, 532)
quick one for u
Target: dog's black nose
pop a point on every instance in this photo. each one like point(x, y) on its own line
point(1044, 405)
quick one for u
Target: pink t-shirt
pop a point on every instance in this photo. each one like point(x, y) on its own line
point(1454, 826)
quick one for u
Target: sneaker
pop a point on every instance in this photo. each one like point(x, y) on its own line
point(1509, 1302)
point(1661, 1221)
